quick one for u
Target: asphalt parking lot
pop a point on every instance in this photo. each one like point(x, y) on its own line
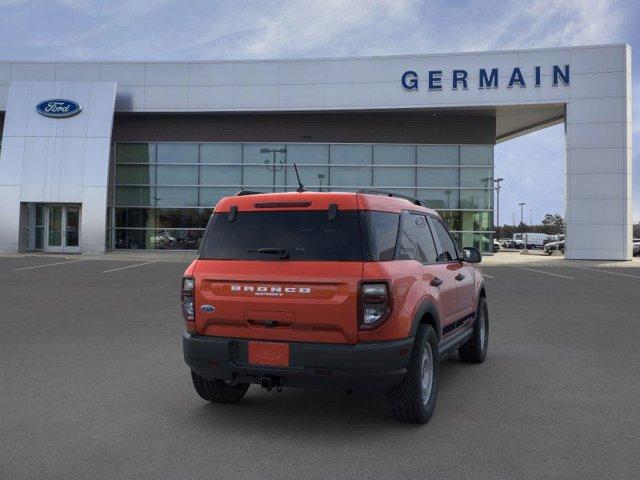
point(93, 385)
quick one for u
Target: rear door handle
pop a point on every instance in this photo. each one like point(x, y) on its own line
point(459, 277)
point(436, 282)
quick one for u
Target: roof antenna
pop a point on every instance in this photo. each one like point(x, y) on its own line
point(300, 185)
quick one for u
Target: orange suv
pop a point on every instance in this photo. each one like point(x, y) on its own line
point(357, 291)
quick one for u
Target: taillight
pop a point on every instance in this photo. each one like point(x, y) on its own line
point(186, 298)
point(375, 304)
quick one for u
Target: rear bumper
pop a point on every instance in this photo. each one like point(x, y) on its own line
point(371, 367)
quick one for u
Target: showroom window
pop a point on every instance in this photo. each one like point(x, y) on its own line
point(164, 192)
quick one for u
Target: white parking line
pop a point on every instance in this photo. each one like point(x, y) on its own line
point(487, 276)
point(611, 273)
point(50, 264)
point(130, 266)
point(545, 273)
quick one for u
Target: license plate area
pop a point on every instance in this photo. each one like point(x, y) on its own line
point(269, 353)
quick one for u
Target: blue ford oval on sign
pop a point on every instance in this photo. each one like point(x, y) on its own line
point(58, 108)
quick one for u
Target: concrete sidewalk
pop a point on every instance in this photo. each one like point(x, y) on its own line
point(537, 257)
point(121, 255)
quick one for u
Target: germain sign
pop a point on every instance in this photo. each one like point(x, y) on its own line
point(58, 108)
point(487, 78)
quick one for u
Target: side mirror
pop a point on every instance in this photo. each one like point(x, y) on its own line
point(471, 255)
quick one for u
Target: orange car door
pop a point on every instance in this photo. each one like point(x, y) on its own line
point(447, 259)
point(438, 280)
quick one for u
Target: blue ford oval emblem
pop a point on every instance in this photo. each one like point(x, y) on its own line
point(58, 108)
point(208, 308)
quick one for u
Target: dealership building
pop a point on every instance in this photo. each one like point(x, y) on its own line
point(99, 156)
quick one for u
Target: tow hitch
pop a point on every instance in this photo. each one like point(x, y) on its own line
point(269, 383)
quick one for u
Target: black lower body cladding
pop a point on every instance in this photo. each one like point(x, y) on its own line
point(371, 367)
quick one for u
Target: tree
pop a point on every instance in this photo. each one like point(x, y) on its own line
point(554, 220)
point(552, 224)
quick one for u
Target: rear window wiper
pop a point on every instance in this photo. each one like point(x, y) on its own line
point(283, 252)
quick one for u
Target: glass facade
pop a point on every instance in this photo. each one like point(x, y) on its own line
point(164, 192)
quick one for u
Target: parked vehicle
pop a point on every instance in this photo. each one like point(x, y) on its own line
point(507, 243)
point(533, 240)
point(554, 238)
point(353, 291)
point(636, 247)
point(553, 246)
point(496, 246)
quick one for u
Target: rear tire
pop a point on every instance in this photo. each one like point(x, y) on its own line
point(218, 391)
point(415, 399)
point(474, 350)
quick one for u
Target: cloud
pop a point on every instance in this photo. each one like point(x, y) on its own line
point(114, 7)
point(546, 23)
point(77, 4)
point(307, 28)
point(223, 29)
point(347, 26)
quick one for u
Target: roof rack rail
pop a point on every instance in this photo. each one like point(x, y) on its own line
point(371, 191)
point(242, 193)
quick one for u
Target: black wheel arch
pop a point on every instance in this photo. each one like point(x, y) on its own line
point(427, 313)
point(482, 291)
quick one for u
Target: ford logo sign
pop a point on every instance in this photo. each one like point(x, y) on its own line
point(58, 108)
point(208, 308)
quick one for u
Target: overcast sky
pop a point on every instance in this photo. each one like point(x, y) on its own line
point(532, 166)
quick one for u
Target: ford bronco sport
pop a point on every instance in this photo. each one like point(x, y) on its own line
point(357, 291)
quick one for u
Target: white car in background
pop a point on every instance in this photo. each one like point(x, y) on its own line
point(636, 247)
point(534, 240)
point(550, 247)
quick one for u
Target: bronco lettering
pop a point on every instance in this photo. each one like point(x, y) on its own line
point(272, 290)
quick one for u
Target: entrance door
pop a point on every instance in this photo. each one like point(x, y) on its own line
point(62, 229)
point(72, 229)
point(54, 229)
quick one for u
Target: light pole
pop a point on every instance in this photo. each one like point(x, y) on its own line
point(522, 212)
point(524, 240)
point(497, 182)
point(274, 167)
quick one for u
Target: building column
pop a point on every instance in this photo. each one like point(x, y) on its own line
point(93, 220)
point(598, 175)
point(9, 217)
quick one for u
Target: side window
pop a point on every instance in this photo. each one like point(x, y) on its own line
point(405, 249)
point(447, 251)
point(380, 231)
point(424, 240)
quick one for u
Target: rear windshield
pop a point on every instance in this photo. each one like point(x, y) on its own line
point(275, 235)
